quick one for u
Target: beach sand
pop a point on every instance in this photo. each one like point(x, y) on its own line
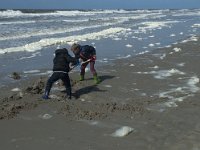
point(150, 101)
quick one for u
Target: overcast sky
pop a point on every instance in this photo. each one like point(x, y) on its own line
point(98, 4)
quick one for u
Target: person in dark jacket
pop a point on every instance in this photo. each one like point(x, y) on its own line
point(87, 54)
point(61, 68)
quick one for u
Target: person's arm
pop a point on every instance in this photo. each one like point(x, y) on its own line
point(93, 50)
point(72, 60)
point(93, 53)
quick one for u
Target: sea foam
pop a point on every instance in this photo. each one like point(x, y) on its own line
point(31, 47)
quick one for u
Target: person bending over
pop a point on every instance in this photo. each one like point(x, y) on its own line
point(87, 54)
point(61, 68)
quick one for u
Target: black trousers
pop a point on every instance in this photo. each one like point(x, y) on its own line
point(56, 76)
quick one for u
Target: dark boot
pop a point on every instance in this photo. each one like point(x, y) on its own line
point(47, 90)
point(46, 95)
point(69, 93)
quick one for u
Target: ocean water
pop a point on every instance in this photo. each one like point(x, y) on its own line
point(28, 38)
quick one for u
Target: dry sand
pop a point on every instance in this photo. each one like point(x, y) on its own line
point(155, 94)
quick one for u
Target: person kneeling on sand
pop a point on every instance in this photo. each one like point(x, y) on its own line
point(61, 68)
point(87, 54)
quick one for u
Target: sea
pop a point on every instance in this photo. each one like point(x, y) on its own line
point(28, 38)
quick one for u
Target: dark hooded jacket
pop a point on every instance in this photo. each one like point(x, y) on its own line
point(62, 59)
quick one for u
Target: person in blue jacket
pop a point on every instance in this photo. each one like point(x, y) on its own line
point(87, 54)
point(61, 68)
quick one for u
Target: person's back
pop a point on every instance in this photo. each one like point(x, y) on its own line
point(87, 51)
point(61, 60)
point(60, 71)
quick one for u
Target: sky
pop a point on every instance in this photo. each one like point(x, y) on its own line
point(99, 4)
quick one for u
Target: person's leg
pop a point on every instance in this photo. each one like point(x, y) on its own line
point(54, 77)
point(82, 73)
point(65, 78)
point(92, 69)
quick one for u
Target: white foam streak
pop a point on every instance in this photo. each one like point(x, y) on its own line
point(31, 47)
point(123, 57)
point(162, 74)
point(16, 22)
point(31, 71)
point(17, 13)
point(45, 32)
point(10, 13)
point(155, 25)
point(28, 57)
point(50, 32)
point(186, 13)
point(196, 25)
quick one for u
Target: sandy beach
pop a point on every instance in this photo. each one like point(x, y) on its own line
point(146, 102)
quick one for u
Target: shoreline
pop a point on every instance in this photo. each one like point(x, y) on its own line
point(34, 84)
point(155, 94)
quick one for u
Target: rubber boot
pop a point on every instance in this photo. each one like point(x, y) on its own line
point(81, 77)
point(96, 79)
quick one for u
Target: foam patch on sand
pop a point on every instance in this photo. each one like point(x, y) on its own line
point(179, 94)
point(16, 90)
point(123, 131)
point(176, 50)
point(154, 67)
point(45, 116)
point(163, 74)
point(151, 45)
point(104, 60)
point(141, 53)
point(172, 35)
point(129, 45)
point(117, 39)
point(131, 65)
point(161, 56)
point(123, 57)
point(193, 38)
point(181, 64)
point(108, 86)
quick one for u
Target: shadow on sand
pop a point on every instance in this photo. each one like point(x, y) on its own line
point(103, 78)
point(92, 88)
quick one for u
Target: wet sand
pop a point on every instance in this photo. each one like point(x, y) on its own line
point(155, 94)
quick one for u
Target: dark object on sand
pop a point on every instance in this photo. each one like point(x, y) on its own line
point(15, 76)
point(37, 87)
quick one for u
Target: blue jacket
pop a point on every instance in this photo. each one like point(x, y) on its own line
point(86, 52)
